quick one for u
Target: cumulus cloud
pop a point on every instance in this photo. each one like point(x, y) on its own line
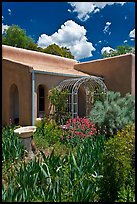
point(9, 10)
point(107, 49)
point(84, 9)
point(4, 28)
point(125, 41)
point(70, 35)
point(106, 29)
point(100, 41)
point(132, 33)
point(2, 18)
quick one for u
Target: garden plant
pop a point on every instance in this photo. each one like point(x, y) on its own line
point(90, 159)
point(113, 113)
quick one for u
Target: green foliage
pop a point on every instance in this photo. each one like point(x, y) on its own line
point(12, 148)
point(16, 37)
point(118, 182)
point(122, 49)
point(47, 133)
point(97, 169)
point(60, 51)
point(71, 178)
point(113, 113)
point(12, 152)
point(58, 99)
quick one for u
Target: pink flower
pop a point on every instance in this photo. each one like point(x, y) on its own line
point(74, 120)
point(67, 125)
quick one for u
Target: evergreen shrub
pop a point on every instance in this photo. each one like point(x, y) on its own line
point(114, 113)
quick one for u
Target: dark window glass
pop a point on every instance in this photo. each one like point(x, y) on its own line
point(41, 98)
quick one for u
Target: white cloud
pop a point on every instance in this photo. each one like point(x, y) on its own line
point(106, 29)
point(2, 18)
point(107, 49)
point(9, 10)
point(4, 28)
point(96, 10)
point(132, 33)
point(84, 9)
point(108, 23)
point(125, 17)
point(70, 35)
point(125, 41)
point(100, 41)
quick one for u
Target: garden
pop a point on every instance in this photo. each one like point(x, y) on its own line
point(90, 159)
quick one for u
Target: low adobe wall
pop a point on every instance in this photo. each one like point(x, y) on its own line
point(15, 73)
point(118, 72)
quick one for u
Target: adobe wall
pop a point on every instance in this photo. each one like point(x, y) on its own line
point(118, 72)
point(133, 76)
point(33, 57)
point(14, 73)
point(49, 81)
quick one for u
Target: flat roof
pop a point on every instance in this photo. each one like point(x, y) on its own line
point(41, 61)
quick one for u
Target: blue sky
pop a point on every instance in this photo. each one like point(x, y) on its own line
point(87, 28)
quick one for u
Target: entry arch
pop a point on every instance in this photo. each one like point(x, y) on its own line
point(92, 85)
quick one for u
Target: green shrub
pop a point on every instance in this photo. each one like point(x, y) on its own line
point(118, 182)
point(113, 113)
point(58, 99)
point(47, 133)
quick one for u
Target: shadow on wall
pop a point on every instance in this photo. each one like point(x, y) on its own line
point(14, 104)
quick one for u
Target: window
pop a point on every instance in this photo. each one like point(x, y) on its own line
point(41, 101)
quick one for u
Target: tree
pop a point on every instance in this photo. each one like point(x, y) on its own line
point(122, 49)
point(16, 37)
point(60, 51)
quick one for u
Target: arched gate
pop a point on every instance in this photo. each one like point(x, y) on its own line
point(92, 85)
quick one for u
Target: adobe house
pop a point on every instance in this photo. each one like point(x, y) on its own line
point(27, 77)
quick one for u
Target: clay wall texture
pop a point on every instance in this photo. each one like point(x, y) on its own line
point(118, 72)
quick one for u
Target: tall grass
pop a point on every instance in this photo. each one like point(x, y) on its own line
point(71, 178)
point(12, 148)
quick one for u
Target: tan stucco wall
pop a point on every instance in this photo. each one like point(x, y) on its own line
point(14, 73)
point(49, 81)
point(39, 59)
point(133, 76)
point(20, 75)
point(118, 72)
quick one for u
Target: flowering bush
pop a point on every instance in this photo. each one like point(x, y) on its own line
point(78, 128)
